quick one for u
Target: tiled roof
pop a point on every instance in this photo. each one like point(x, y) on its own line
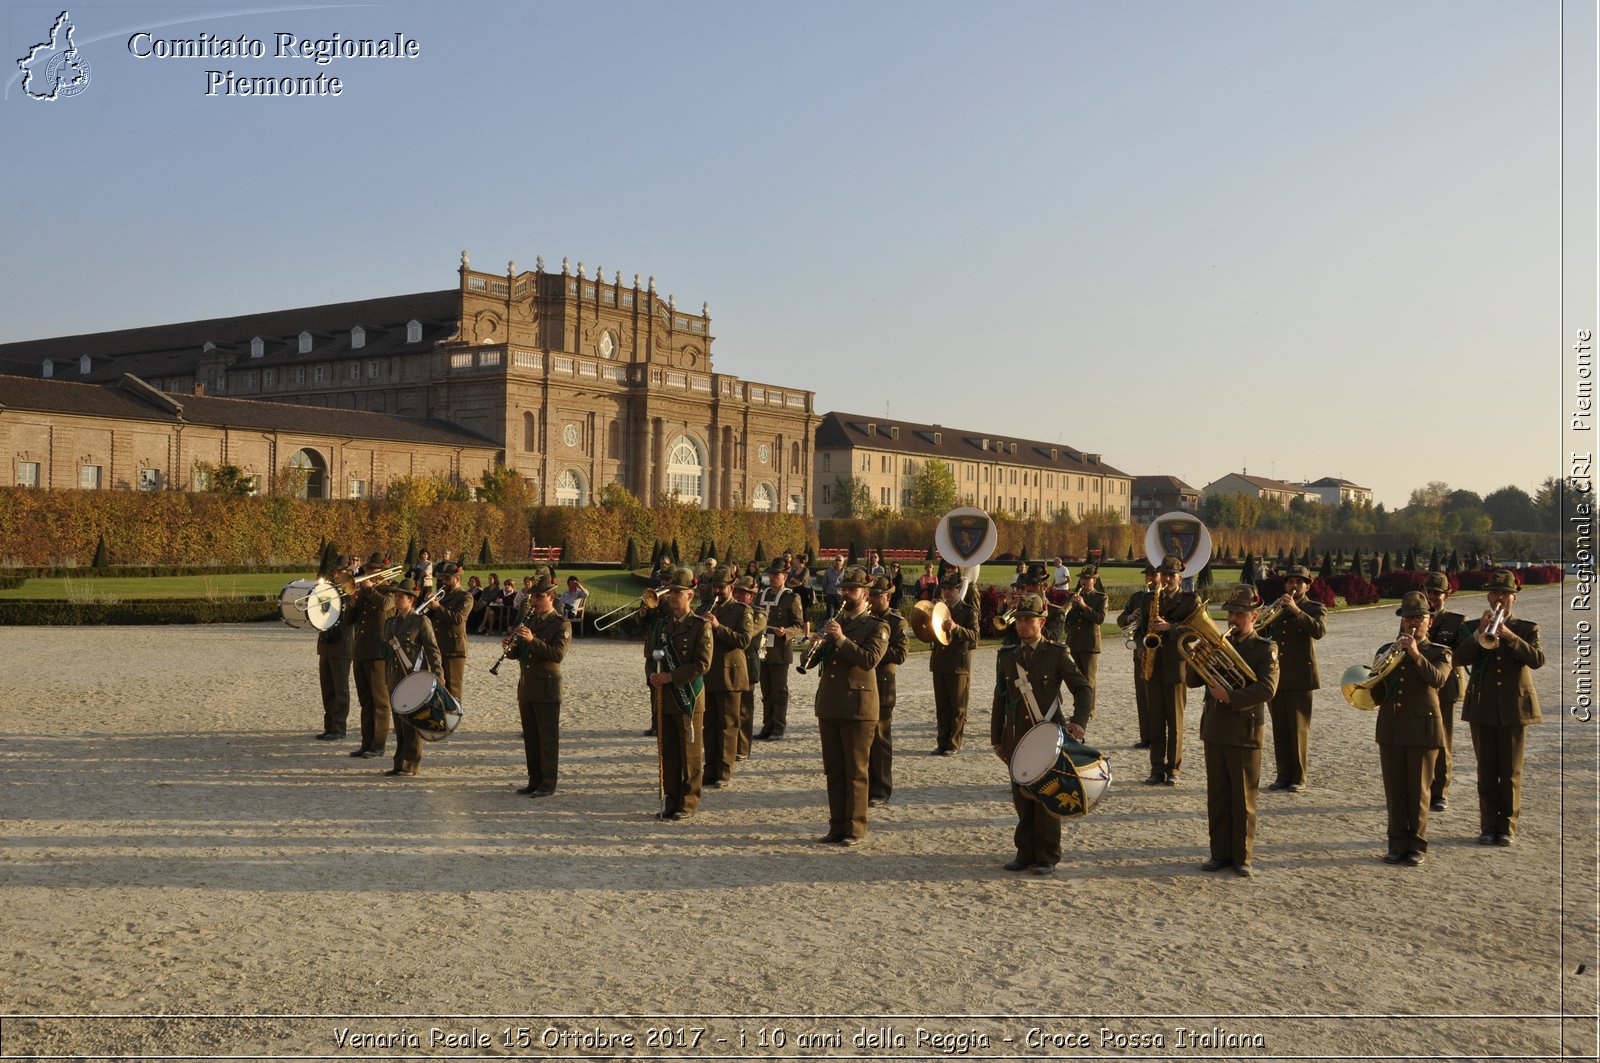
point(167, 350)
point(1334, 481)
point(1150, 485)
point(839, 430)
point(1263, 482)
point(133, 399)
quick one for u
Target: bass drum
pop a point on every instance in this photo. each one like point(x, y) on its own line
point(1068, 778)
point(424, 702)
point(310, 603)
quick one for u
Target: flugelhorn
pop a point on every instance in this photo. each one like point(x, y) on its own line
point(1489, 634)
point(1271, 613)
point(605, 622)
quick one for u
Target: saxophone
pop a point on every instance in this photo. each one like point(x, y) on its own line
point(1152, 641)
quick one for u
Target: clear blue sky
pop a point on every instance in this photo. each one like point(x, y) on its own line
point(1189, 236)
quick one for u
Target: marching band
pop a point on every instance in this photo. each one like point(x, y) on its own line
point(408, 659)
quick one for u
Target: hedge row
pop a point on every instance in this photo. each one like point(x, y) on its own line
point(13, 577)
point(601, 533)
point(163, 611)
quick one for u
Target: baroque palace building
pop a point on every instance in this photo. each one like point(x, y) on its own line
point(575, 381)
point(1023, 477)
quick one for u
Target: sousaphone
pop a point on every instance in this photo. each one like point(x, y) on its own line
point(966, 537)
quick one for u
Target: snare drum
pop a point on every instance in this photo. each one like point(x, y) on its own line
point(1068, 778)
point(311, 603)
point(424, 703)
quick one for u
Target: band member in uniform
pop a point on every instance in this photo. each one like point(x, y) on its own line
point(449, 615)
point(731, 626)
point(1410, 733)
point(1166, 691)
point(334, 647)
point(1033, 579)
point(1302, 621)
point(853, 642)
point(404, 633)
point(1087, 613)
point(1049, 667)
point(951, 666)
point(880, 765)
point(539, 641)
point(1444, 629)
point(785, 620)
point(744, 592)
point(1137, 614)
point(1231, 727)
point(372, 608)
point(678, 685)
point(1500, 704)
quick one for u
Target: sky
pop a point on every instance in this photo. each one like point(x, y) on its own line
point(1298, 239)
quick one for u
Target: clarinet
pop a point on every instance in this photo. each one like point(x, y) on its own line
point(505, 646)
point(814, 655)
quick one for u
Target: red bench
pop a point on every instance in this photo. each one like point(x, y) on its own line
point(828, 553)
point(548, 554)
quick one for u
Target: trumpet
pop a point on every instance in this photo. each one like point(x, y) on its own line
point(430, 599)
point(606, 621)
point(1489, 635)
point(1004, 620)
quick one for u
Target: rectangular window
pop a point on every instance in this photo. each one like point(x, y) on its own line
point(320, 374)
point(149, 479)
point(866, 463)
point(827, 493)
point(89, 477)
point(1080, 487)
point(268, 377)
point(27, 474)
point(300, 374)
point(372, 370)
point(883, 464)
point(355, 370)
point(827, 463)
point(883, 496)
point(358, 489)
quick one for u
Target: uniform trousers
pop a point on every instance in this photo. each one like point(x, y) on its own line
point(1291, 732)
point(372, 690)
point(846, 752)
point(950, 707)
point(1232, 775)
point(1141, 697)
point(1089, 664)
point(747, 716)
point(682, 758)
point(1166, 701)
point(1446, 762)
point(880, 761)
point(455, 673)
point(1038, 833)
point(407, 745)
point(541, 741)
point(1407, 786)
point(774, 696)
point(334, 675)
point(722, 733)
point(1499, 752)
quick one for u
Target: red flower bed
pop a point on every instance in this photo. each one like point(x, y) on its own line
point(1354, 588)
point(1478, 578)
point(1397, 584)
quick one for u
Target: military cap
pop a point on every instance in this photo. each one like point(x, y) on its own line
point(405, 586)
point(1089, 570)
point(1035, 573)
point(1242, 599)
point(1502, 579)
point(721, 578)
point(682, 580)
point(881, 585)
point(1030, 605)
point(1298, 572)
point(777, 566)
point(1171, 563)
point(951, 579)
point(1415, 603)
point(448, 568)
point(746, 583)
point(376, 560)
point(1437, 581)
point(854, 576)
point(341, 561)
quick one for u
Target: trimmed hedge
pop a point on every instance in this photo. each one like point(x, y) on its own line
point(79, 572)
point(163, 611)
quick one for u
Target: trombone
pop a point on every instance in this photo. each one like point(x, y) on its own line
point(606, 621)
point(347, 586)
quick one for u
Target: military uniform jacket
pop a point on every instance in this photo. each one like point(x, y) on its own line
point(373, 608)
point(783, 612)
point(893, 657)
point(848, 686)
point(413, 631)
point(1242, 720)
point(1049, 667)
point(541, 659)
point(1169, 662)
point(1135, 610)
point(1083, 623)
point(1499, 689)
point(752, 652)
point(1445, 630)
point(338, 641)
point(691, 642)
point(956, 658)
point(729, 668)
point(1410, 715)
point(449, 615)
point(1294, 634)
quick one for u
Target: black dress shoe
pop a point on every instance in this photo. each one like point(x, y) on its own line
point(370, 753)
point(941, 751)
point(714, 784)
point(1439, 805)
point(1277, 784)
point(1141, 745)
point(850, 842)
point(1155, 778)
point(542, 793)
point(1503, 840)
point(1215, 865)
point(1169, 780)
point(1393, 858)
point(1296, 788)
point(1486, 838)
point(830, 839)
point(762, 736)
point(1015, 865)
point(1043, 869)
point(1415, 859)
point(650, 733)
point(877, 802)
point(327, 735)
point(405, 772)
point(1245, 871)
point(363, 752)
point(526, 790)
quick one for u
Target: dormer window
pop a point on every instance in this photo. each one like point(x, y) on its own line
point(208, 348)
point(305, 343)
point(49, 367)
point(358, 338)
point(413, 331)
point(83, 365)
point(258, 347)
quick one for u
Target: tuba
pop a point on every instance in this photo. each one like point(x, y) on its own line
point(1184, 535)
point(1208, 651)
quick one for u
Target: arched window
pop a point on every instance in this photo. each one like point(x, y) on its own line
point(761, 499)
point(570, 489)
point(794, 457)
point(529, 433)
point(686, 471)
point(309, 474)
